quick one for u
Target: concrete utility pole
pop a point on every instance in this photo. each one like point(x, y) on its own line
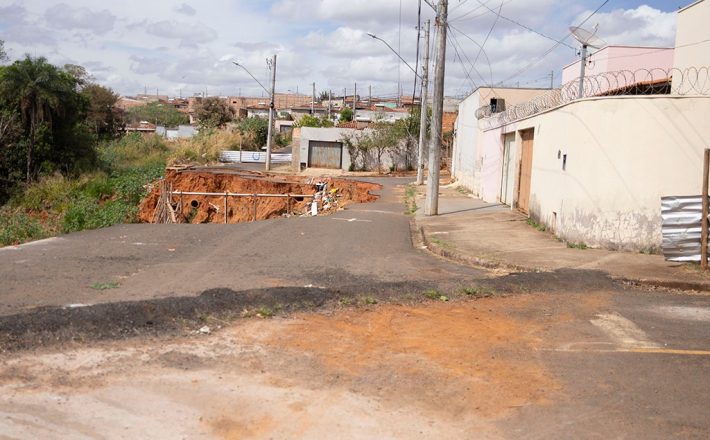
point(330, 104)
point(354, 101)
point(369, 99)
point(313, 100)
point(345, 94)
point(431, 204)
point(424, 96)
point(271, 114)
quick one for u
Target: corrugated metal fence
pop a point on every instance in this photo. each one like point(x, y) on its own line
point(253, 156)
point(681, 227)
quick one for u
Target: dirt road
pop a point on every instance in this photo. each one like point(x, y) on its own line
point(530, 365)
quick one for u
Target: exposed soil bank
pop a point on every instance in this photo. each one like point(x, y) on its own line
point(210, 209)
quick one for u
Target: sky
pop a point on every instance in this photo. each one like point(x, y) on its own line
point(182, 48)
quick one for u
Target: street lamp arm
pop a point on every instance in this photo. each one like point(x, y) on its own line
point(395, 52)
point(253, 77)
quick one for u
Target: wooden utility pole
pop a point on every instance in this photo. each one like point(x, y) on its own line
point(424, 96)
point(431, 204)
point(270, 130)
point(704, 217)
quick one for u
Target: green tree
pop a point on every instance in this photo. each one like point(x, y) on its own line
point(157, 113)
point(103, 118)
point(38, 91)
point(213, 112)
point(314, 121)
point(346, 114)
point(255, 131)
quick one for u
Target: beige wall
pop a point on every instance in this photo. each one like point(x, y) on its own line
point(693, 27)
point(623, 155)
point(476, 166)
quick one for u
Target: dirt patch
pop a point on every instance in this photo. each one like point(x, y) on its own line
point(463, 357)
point(210, 209)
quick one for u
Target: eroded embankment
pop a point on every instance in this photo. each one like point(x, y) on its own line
point(210, 209)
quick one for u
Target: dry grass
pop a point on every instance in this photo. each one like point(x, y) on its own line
point(203, 148)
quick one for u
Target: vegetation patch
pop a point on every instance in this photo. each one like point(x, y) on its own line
point(532, 222)
point(106, 286)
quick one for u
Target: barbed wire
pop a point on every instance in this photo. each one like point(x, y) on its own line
point(655, 81)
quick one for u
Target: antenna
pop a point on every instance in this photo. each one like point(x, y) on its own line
point(586, 39)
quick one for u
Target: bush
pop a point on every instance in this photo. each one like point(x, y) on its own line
point(49, 192)
point(87, 213)
point(133, 150)
point(205, 147)
point(17, 227)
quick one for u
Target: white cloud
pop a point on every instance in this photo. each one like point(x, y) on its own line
point(185, 9)
point(189, 34)
point(64, 16)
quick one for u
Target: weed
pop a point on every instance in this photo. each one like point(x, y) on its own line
point(106, 286)
point(345, 301)
point(532, 222)
point(369, 300)
point(463, 190)
point(478, 291)
point(264, 312)
point(442, 243)
point(17, 227)
point(432, 294)
point(574, 245)
point(410, 199)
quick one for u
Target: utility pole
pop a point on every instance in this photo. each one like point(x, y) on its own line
point(552, 79)
point(345, 94)
point(369, 99)
point(354, 102)
point(424, 96)
point(330, 102)
point(431, 204)
point(271, 114)
point(313, 100)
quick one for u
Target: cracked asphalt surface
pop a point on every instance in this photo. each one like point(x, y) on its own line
point(562, 354)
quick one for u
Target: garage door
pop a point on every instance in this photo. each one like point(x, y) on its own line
point(325, 154)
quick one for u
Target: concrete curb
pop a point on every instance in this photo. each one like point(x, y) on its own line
point(420, 239)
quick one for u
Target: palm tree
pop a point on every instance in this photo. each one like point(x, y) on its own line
point(35, 88)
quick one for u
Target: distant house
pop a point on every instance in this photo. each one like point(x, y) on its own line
point(143, 127)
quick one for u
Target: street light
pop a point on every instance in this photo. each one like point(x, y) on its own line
point(371, 35)
point(272, 63)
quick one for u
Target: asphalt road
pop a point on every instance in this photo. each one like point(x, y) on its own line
point(358, 249)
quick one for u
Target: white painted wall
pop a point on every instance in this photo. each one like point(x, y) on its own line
point(692, 41)
point(623, 155)
point(332, 134)
point(476, 165)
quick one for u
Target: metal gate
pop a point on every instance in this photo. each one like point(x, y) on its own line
point(526, 158)
point(508, 177)
point(325, 154)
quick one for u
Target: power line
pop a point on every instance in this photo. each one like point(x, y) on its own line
point(482, 50)
point(523, 26)
point(555, 46)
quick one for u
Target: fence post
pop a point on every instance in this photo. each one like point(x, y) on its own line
point(225, 207)
point(254, 206)
point(704, 217)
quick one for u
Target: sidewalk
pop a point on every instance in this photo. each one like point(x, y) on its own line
point(475, 232)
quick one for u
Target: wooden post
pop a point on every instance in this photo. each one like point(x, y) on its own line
point(288, 204)
point(704, 219)
point(254, 207)
point(225, 207)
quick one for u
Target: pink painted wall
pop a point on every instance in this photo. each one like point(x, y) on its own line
point(622, 58)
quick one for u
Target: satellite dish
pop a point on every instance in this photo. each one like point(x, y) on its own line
point(587, 38)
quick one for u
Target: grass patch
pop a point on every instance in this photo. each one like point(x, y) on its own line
point(463, 190)
point(106, 286)
point(435, 295)
point(577, 245)
point(264, 312)
point(18, 227)
point(345, 301)
point(532, 222)
point(441, 243)
point(369, 300)
point(478, 291)
point(410, 199)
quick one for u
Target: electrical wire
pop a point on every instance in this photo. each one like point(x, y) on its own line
point(551, 49)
